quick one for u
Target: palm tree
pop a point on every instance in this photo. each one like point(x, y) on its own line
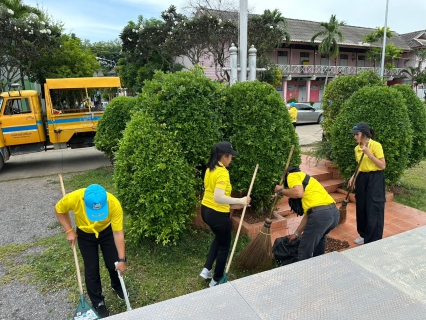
point(329, 46)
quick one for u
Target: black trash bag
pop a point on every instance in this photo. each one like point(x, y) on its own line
point(285, 252)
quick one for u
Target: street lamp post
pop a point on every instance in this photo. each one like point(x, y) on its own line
point(382, 69)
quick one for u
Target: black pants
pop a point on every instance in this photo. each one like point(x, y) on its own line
point(221, 225)
point(89, 248)
point(294, 125)
point(320, 223)
point(370, 193)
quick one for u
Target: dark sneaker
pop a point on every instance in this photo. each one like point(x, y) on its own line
point(102, 310)
point(120, 293)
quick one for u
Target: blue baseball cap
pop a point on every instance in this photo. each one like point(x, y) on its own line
point(293, 104)
point(96, 202)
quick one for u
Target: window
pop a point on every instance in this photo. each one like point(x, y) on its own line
point(282, 58)
point(304, 58)
point(361, 61)
point(17, 106)
point(344, 60)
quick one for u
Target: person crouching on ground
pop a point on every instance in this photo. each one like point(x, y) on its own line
point(320, 214)
point(215, 209)
point(370, 188)
point(99, 221)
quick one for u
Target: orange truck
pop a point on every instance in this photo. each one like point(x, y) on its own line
point(73, 107)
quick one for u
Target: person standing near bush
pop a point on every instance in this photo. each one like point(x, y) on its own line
point(370, 189)
point(293, 113)
point(99, 222)
point(215, 209)
point(320, 214)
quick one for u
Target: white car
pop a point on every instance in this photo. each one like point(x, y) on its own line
point(308, 114)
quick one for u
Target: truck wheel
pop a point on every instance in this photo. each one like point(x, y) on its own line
point(1, 162)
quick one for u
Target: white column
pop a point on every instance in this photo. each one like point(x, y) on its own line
point(233, 52)
point(243, 39)
point(285, 91)
point(308, 91)
point(252, 63)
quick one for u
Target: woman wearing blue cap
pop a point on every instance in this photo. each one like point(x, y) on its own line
point(215, 209)
point(293, 113)
point(370, 189)
point(99, 223)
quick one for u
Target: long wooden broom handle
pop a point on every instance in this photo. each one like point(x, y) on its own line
point(355, 176)
point(241, 220)
point(80, 287)
point(282, 179)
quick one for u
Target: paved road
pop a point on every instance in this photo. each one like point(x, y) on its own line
point(75, 160)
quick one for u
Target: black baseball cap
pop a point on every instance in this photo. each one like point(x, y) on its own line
point(360, 127)
point(225, 147)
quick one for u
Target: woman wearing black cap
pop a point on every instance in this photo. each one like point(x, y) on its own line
point(215, 208)
point(369, 185)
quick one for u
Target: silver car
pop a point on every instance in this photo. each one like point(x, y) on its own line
point(308, 114)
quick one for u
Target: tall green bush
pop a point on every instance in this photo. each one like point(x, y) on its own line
point(112, 124)
point(384, 109)
point(259, 127)
point(188, 103)
point(155, 184)
point(340, 90)
point(417, 114)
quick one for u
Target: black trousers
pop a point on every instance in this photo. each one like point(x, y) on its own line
point(314, 238)
point(370, 193)
point(89, 248)
point(221, 225)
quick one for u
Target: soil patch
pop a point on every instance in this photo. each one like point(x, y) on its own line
point(251, 216)
point(335, 245)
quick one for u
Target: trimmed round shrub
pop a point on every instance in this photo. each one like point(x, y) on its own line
point(112, 124)
point(384, 110)
point(259, 127)
point(417, 114)
point(340, 89)
point(189, 104)
point(155, 183)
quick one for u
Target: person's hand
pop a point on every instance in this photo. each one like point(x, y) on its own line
point(366, 150)
point(245, 201)
point(278, 188)
point(350, 182)
point(291, 237)
point(121, 266)
point(72, 237)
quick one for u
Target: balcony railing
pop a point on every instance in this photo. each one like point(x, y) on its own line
point(333, 70)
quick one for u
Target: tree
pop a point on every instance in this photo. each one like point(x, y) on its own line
point(329, 46)
point(108, 53)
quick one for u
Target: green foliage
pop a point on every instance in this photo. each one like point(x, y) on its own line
point(340, 89)
point(384, 109)
point(189, 104)
point(292, 99)
point(259, 127)
point(112, 124)
point(155, 184)
point(273, 74)
point(417, 114)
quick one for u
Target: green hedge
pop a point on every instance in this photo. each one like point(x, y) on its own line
point(417, 114)
point(259, 127)
point(112, 124)
point(155, 184)
point(189, 104)
point(384, 109)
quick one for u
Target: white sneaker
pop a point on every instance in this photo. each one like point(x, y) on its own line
point(206, 274)
point(359, 240)
point(212, 283)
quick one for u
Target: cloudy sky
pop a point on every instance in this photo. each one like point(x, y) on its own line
point(103, 20)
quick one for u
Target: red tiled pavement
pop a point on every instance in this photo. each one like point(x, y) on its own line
point(398, 217)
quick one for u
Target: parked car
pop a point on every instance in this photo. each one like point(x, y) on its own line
point(308, 114)
point(317, 105)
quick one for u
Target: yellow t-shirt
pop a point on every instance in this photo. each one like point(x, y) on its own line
point(293, 114)
point(218, 178)
point(315, 195)
point(367, 165)
point(74, 201)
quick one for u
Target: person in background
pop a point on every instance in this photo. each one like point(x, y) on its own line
point(215, 209)
point(320, 214)
point(370, 188)
point(99, 223)
point(293, 113)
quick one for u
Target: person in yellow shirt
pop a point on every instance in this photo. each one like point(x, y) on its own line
point(370, 188)
point(215, 208)
point(293, 113)
point(99, 223)
point(320, 214)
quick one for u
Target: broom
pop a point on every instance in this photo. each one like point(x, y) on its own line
point(84, 309)
point(258, 253)
point(224, 278)
point(342, 209)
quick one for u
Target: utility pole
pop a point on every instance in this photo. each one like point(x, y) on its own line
point(382, 69)
point(243, 39)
